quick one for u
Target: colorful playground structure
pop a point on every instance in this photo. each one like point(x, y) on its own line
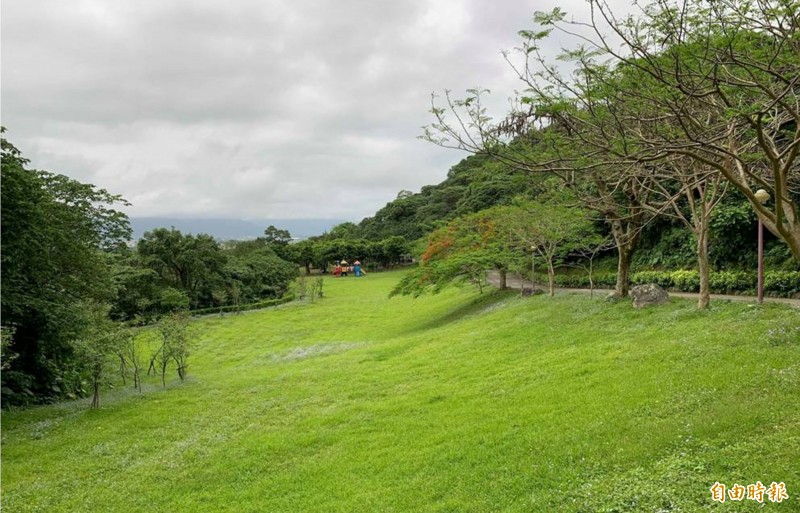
point(343, 268)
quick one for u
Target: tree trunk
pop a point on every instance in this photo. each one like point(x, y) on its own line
point(626, 236)
point(787, 210)
point(122, 368)
point(96, 393)
point(789, 232)
point(503, 279)
point(702, 260)
point(308, 269)
point(625, 252)
point(181, 368)
point(551, 277)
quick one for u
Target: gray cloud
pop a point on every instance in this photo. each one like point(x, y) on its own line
point(247, 108)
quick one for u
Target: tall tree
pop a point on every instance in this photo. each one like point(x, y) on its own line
point(552, 229)
point(709, 86)
point(275, 235)
point(723, 79)
point(463, 250)
point(95, 348)
point(55, 235)
point(193, 264)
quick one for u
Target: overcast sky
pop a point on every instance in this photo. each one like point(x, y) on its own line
point(248, 108)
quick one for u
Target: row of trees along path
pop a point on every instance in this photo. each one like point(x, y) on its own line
point(655, 113)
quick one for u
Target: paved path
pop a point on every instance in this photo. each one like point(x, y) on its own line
point(515, 282)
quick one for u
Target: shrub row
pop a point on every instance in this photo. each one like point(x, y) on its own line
point(243, 308)
point(580, 281)
point(776, 283)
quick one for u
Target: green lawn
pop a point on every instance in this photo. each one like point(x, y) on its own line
point(452, 403)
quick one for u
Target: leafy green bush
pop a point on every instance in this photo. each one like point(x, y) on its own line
point(730, 282)
point(570, 281)
point(580, 281)
point(686, 281)
point(661, 278)
point(783, 283)
point(776, 283)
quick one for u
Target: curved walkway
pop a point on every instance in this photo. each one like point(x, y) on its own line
point(515, 282)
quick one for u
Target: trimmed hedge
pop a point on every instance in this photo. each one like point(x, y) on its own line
point(579, 281)
point(785, 283)
point(243, 308)
point(776, 283)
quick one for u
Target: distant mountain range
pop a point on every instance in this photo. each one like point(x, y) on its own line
point(233, 229)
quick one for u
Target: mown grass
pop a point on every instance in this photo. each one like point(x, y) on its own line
point(457, 402)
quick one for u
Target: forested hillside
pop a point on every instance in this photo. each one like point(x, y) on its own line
point(476, 183)
point(70, 277)
point(679, 145)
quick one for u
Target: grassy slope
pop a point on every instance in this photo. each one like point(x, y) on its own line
point(456, 402)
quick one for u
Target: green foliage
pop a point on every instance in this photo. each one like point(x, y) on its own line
point(433, 277)
point(732, 282)
point(172, 300)
point(258, 305)
point(192, 264)
point(171, 271)
point(277, 236)
point(733, 233)
point(782, 283)
point(258, 275)
point(580, 281)
point(6, 354)
point(551, 228)
point(463, 250)
point(344, 231)
point(776, 283)
point(95, 348)
point(665, 245)
point(500, 238)
point(177, 343)
point(391, 250)
point(317, 289)
point(303, 254)
point(660, 278)
point(476, 183)
point(327, 249)
point(56, 234)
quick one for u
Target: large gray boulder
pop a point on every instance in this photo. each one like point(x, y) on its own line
point(648, 295)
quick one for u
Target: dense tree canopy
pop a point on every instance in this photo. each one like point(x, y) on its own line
point(56, 236)
point(662, 111)
point(476, 183)
point(67, 272)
